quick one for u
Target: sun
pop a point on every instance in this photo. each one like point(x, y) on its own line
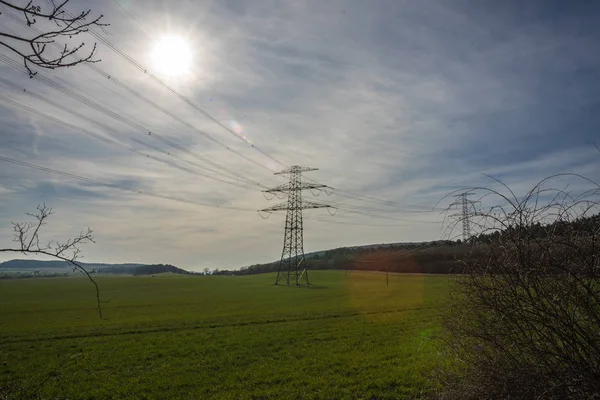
point(172, 56)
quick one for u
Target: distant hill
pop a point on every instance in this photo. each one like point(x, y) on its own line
point(436, 257)
point(32, 264)
point(38, 267)
point(374, 246)
point(38, 264)
point(158, 269)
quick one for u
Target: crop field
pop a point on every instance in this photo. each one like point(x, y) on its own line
point(200, 337)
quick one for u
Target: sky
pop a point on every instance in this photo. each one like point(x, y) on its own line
point(402, 101)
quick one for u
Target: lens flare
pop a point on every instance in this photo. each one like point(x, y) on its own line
point(236, 127)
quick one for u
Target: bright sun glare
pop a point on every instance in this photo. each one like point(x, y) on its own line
point(172, 56)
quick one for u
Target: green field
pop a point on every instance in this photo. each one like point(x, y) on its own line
point(196, 337)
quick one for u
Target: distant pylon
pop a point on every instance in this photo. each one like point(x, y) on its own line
point(292, 267)
point(464, 202)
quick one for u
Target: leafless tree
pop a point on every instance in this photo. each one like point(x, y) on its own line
point(524, 316)
point(42, 49)
point(28, 241)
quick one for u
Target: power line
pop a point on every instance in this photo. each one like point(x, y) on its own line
point(114, 186)
point(102, 125)
point(185, 99)
point(165, 85)
point(132, 91)
point(124, 120)
point(350, 208)
point(367, 208)
point(132, 17)
point(111, 141)
point(372, 199)
point(386, 217)
point(385, 202)
point(48, 81)
point(211, 86)
point(170, 114)
point(355, 223)
point(359, 211)
point(140, 67)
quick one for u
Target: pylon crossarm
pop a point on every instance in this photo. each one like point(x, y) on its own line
point(287, 188)
point(310, 204)
point(304, 206)
point(295, 169)
point(276, 207)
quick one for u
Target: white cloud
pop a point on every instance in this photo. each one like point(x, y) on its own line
point(400, 102)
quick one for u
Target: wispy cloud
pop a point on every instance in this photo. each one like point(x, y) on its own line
point(404, 101)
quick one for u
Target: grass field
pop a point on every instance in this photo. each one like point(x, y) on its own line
point(170, 336)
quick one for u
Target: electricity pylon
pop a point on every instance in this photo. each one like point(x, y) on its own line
point(464, 202)
point(292, 267)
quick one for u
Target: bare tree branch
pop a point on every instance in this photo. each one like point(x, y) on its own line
point(524, 315)
point(27, 238)
point(35, 51)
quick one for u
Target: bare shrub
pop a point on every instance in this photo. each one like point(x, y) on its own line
point(524, 319)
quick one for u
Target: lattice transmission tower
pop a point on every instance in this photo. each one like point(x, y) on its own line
point(464, 202)
point(292, 266)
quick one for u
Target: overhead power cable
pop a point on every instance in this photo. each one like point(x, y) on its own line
point(407, 207)
point(132, 91)
point(103, 126)
point(367, 208)
point(141, 68)
point(189, 102)
point(132, 17)
point(383, 201)
point(386, 217)
point(169, 88)
point(114, 186)
point(124, 120)
point(113, 142)
point(330, 221)
point(171, 115)
point(211, 86)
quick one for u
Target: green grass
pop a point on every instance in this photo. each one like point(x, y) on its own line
point(170, 337)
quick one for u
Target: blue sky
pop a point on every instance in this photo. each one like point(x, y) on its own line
point(402, 100)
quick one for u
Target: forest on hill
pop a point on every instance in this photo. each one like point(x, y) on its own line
point(437, 257)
